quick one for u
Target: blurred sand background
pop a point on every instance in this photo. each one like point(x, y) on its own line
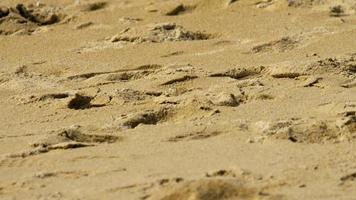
point(178, 99)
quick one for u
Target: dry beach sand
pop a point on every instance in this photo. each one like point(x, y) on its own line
point(178, 99)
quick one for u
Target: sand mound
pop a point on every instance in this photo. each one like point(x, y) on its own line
point(65, 139)
point(211, 189)
point(341, 65)
point(214, 4)
point(238, 73)
point(74, 135)
point(13, 23)
point(312, 131)
point(159, 33)
point(260, 106)
point(281, 45)
point(305, 3)
point(39, 15)
point(89, 7)
point(336, 8)
point(173, 9)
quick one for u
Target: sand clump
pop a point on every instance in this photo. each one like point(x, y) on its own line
point(225, 99)
point(238, 73)
point(4, 11)
point(146, 117)
point(27, 18)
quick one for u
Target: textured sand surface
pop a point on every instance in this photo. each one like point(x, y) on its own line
point(178, 99)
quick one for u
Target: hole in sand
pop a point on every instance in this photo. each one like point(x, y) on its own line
point(80, 102)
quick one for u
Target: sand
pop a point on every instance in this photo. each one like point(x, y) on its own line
point(178, 99)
